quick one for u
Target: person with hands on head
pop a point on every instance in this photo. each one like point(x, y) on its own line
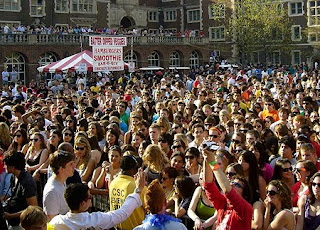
point(233, 206)
point(278, 214)
point(78, 199)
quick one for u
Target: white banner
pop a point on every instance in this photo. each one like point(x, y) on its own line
point(107, 41)
point(131, 67)
point(107, 58)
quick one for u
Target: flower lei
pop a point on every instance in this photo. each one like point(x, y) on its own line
point(158, 220)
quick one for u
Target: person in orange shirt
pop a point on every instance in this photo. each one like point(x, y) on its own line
point(269, 110)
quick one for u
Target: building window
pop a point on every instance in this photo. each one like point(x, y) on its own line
point(296, 57)
point(193, 16)
point(170, 16)
point(313, 37)
point(62, 6)
point(295, 8)
point(10, 5)
point(296, 33)
point(16, 62)
point(83, 6)
point(194, 60)
point(175, 59)
point(276, 57)
point(47, 58)
point(154, 59)
point(37, 8)
point(217, 11)
point(153, 16)
point(314, 13)
point(217, 33)
point(128, 59)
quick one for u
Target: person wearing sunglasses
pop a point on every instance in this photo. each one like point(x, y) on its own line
point(308, 216)
point(192, 165)
point(237, 139)
point(169, 174)
point(278, 214)
point(68, 135)
point(304, 170)
point(19, 142)
point(234, 210)
point(84, 162)
point(269, 110)
point(283, 171)
point(234, 169)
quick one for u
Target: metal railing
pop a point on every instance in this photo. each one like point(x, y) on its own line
point(45, 39)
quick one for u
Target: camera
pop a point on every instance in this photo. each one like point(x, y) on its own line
point(209, 145)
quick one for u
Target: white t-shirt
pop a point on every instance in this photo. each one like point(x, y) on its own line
point(53, 198)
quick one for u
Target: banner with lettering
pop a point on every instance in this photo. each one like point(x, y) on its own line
point(107, 53)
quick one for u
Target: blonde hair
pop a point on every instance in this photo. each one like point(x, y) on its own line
point(181, 137)
point(83, 141)
point(155, 158)
point(162, 121)
point(5, 137)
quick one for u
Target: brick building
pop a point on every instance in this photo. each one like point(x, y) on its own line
point(25, 52)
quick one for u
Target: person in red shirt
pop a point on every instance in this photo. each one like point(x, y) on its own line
point(233, 206)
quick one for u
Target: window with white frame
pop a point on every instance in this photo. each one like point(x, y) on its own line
point(9, 5)
point(295, 8)
point(194, 59)
point(276, 57)
point(175, 59)
point(296, 57)
point(217, 33)
point(16, 61)
point(296, 33)
point(193, 16)
point(127, 58)
point(37, 8)
point(62, 6)
point(314, 13)
point(170, 15)
point(154, 59)
point(47, 58)
point(83, 6)
point(153, 16)
point(217, 11)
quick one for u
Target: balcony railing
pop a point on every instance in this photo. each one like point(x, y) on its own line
point(45, 39)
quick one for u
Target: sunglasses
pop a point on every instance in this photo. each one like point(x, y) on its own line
point(230, 174)
point(287, 169)
point(189, 157)
point(214, 136)
point(243, 130)
point(238, 150)
point(236, 184)
point(18, 135)
point(271, 192)
point(176, 146)
point(235, 141)
point(299, 170)
point(80, 148)
point(269, 104)
point(316, 184)
point(176, 127)
point(35, 139)
point(68, 134)
point(237, 124)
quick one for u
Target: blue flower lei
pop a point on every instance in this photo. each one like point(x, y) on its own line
point(158, 220)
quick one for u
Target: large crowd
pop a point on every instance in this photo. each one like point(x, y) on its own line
point(208, 149)
point(69, 30)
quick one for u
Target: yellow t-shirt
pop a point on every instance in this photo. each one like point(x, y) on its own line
point(119, 189)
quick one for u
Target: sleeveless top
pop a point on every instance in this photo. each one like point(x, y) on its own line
point(204, 211)
point(35, 161)
point(310, 222)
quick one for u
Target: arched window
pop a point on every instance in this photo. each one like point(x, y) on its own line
point(194, 59)
point(16, 64)
point(175, 59)
point(47, 58)
point(154, 59)
point(127, 58)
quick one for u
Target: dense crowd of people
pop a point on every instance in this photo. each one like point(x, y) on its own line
point(65, 30)
point(209, 149)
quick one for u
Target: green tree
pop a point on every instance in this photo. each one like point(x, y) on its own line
point(256, 25)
